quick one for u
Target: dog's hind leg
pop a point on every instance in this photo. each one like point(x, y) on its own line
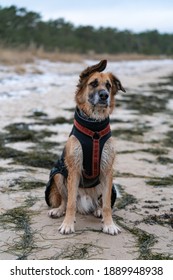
point(57, 197)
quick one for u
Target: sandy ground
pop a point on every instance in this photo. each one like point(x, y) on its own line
point(35, 120)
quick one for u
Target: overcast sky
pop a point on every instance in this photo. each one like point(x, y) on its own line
point(134, 15)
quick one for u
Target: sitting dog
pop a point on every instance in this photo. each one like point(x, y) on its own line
point(82, 179)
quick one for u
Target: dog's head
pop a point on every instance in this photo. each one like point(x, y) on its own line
point(95, 91)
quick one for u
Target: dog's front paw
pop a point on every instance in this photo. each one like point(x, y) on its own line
point(56, 212)
point(111, 229)
point(66, 228)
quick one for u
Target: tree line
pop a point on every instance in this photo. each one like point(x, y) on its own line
point(22, 28)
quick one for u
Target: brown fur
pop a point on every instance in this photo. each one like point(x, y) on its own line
point(66, 197)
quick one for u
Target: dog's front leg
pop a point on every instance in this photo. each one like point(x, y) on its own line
point(108, 224)
point(74, 162)
point(68, 224)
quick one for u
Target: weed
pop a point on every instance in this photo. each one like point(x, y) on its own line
point(168, 141)
point(26, 185)
point(163, 219)
point(145, 242)
point(79, 251)
point(22, 132)
point(161, 182)
point(125, 200)
point(164, 160)
point(20, 218)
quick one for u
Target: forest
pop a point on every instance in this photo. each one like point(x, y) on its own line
point(20, 28)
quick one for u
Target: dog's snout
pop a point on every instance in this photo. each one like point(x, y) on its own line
point(103, 95)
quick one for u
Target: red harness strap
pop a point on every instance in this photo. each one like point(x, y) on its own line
point(96, 136)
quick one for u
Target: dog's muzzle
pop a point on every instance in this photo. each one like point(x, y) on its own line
point(103, 97)
point(100, 97)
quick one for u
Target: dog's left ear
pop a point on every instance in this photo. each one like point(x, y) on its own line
point(116, 82)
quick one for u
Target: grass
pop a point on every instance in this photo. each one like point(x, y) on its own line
point(23, 56)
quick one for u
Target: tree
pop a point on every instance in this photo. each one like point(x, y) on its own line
point(19, 27)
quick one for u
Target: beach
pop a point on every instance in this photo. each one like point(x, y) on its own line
point(36, 116)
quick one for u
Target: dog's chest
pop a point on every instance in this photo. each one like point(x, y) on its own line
point(92, 137)
point(92, 150)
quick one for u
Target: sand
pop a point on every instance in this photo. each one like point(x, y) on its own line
point(35, 119)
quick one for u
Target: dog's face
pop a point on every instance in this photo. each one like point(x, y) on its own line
point(99, 90)
point(96, 91)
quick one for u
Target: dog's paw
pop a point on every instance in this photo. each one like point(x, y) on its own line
point(111, 229)
point(56, 213)
point(98, 213)
point(66, 228)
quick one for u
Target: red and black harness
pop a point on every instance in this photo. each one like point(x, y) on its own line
point(92, 136)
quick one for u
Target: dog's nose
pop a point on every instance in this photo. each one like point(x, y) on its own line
point(103, 95)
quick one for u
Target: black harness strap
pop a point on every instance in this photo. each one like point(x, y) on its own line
point(96, 137)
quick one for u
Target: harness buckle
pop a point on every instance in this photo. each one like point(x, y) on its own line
point(96, 135)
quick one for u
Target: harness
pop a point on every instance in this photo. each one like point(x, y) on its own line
point(92, 136)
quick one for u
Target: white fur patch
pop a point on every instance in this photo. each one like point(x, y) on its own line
point(85, 204)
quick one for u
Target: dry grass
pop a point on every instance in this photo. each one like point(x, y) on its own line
point(15, 57)
point(126, 57)
point(18, 57)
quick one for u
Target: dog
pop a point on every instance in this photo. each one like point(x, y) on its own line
point(82, 178)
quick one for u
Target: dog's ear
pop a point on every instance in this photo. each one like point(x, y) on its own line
point(117, 84)
point(99, 67)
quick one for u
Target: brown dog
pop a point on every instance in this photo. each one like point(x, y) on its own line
point(82, 179)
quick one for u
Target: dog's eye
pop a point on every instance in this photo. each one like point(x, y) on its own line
point(94, 83)
point(108, 86)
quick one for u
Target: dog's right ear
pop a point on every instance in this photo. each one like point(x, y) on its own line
point(99, 67)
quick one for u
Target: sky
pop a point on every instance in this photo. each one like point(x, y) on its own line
point(133, 15)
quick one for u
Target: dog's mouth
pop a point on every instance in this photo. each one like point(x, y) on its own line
point(103, 103)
